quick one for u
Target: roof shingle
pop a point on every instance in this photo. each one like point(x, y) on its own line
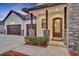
point(41, 6)
point(23, 17)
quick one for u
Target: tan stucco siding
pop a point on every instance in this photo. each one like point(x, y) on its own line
point(50, 24)
point(39, 26)
point(52, 13)
point(51, 9)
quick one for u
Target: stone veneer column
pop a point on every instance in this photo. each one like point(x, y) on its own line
point(65, 25)
point(65, 37)
point(5, 31)
point(22, 31)
point(73, 24)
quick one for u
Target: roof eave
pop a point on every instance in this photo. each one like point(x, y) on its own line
point(42, 6)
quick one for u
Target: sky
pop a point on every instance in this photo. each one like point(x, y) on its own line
point(6, 7)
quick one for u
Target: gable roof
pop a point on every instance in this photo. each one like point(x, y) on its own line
point(42, 6)
point(1, 23)
point(23, 17)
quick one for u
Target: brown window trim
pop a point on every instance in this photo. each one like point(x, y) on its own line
point(43, 23)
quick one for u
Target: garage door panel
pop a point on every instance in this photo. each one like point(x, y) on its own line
point(14, 29)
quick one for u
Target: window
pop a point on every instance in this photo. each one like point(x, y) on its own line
point(43, 23)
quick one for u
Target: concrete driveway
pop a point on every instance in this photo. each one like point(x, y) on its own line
point(8, 42)
point(16, 43)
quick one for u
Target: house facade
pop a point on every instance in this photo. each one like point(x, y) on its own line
point(17, 24)
point(60, 20)
point(56, 23)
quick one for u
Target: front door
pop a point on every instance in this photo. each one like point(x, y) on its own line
point(57, 27)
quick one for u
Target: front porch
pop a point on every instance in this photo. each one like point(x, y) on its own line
point(52, 23)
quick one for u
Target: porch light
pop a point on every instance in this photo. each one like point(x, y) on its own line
point(56, 9)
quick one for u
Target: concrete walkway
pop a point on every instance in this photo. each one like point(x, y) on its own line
point(38, 51)
point(16, 43)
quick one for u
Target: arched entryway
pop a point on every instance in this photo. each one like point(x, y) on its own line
point(59, 29)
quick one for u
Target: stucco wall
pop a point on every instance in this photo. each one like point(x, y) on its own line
point(52, 13)
point(50, 23)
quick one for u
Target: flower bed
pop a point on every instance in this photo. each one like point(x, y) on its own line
point(43, 46)
point(73, 54)
point(36, 41)
point(12, 53)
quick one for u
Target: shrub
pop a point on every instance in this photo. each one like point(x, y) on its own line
point(42, 40)
point(77, 42)
point(36, 40)
point(33, 40)
point(27, 39)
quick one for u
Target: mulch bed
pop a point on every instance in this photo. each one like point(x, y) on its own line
point(12, 53)
point(73, 54)
point(43, 46)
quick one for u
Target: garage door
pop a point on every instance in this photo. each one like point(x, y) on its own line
point(14, 29)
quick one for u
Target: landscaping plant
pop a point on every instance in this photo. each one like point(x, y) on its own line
point(77, 43)
point(36, 40)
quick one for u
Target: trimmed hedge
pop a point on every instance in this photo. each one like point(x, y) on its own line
point(36, 40)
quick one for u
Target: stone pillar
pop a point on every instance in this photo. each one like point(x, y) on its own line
point(73, 24)
point(22, 31)
point(65, 37)
point(5, 31)
point(65, 25)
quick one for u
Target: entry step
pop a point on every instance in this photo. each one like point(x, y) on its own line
point(57, 43)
